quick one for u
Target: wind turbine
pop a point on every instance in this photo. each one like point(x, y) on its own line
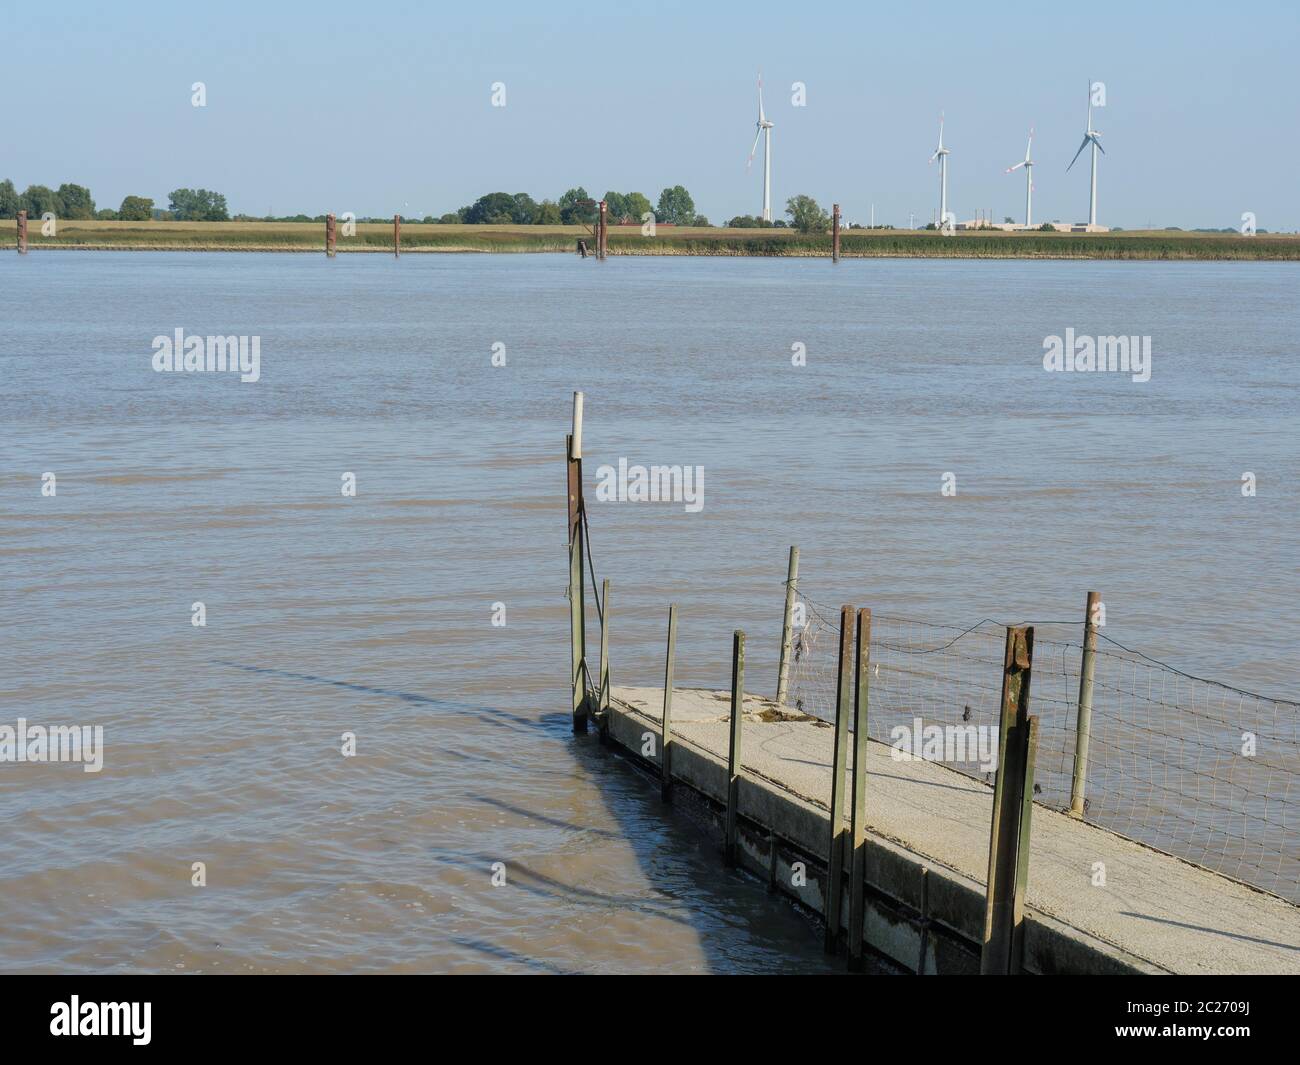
point(765, 131)
point(941, 153)
point(1090, 135)
point(1028, 164)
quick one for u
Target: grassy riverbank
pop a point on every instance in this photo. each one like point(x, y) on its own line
point(418, 237)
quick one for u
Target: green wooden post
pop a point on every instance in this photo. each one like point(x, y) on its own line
point(858, 811)
point(783, 669)
point(1022, 846)
point(1083, 728)
point(1009, 833)
point(733, 748)
point(602, 703)
point(666, 755)
point(835, 849)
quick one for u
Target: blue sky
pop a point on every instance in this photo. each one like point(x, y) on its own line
point(385, 107)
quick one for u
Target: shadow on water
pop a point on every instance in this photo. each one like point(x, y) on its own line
point(739, 925)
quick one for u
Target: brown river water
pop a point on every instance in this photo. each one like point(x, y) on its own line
point(372, 614)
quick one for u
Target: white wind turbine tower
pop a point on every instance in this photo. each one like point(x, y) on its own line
point(941, 153)
point(1090, 135)
point(1028, 164)
point(765, 131)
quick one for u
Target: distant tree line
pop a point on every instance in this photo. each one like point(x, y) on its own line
point(574, 207)
point(75, 201)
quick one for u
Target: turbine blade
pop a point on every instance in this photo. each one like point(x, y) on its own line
point(1016, 167)
point(754, 148)
point(761, 117)
point(1098, 144)
point(1078, 153)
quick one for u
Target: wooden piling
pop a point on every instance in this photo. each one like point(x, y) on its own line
point(783, 668)
point(577, 598)
point(835, 233)
point(666, 753)
point(602, 700)
point(858, 806)
point(835, 849)
point(22, 232)
point(1083, 725)
point(602, 234)
point(1013, 796)
point(733, 748)
point(330, 236)
point(397, 236)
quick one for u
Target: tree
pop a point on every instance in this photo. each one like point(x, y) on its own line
point(637, 206)
point(701, 221)
point(494, 209)
point(615, 207)
point(805, 215)
point(38, 199)
point(76, 201)
point(675, 207)
point(548, 214)
point(573, 211)
point(1047, 227)
point(524, 210)
point(10, 202)
point(135, 209)
point(450, 219)
point(197, 205)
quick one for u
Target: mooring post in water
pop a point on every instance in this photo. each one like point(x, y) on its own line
point(1013, 800)
point(577, 600)
point(22, 232)
point(839, 760)
point(733, 748)
point(783, 669)
point(329, 236)
point(397, 236)
point(602, 231)
point(666, 753)
point(602, 703)
point(835, 233)
point(1083, 727)
point(858, 806)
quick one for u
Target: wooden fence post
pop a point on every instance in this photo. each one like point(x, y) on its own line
point(835, 850)
point(733, 748)
point(858, 810)
point(835, 233)
point(577, 599)
point(783, 669)
point(397, 236)
point(22, 232)
point(329, 236)
point(1013, 797)
point(1083, 727)
point(666, 754)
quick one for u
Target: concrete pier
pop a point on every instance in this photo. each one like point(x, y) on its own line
point(927, 853)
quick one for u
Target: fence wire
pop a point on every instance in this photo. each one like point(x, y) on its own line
point(1167, 765)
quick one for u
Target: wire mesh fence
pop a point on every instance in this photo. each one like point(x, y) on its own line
point(1201, 770)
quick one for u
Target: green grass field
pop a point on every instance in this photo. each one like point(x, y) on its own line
point(418, 237)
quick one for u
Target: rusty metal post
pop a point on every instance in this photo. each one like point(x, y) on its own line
point(783, 667)
point(330, 236)
point(1083, 726)
point(839, 759)
point(602, 700)
point(858, 806)
point(835, 233)
point(602, 238)
point(22, 232)
point(666, 755)
point(733, 748)
point(1013, 797)
point(397, 236)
